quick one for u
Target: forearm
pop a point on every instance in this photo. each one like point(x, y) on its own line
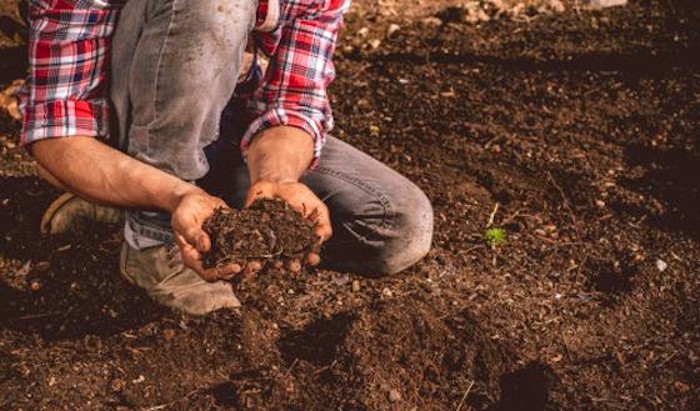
point(102, 174)
point(280, 155)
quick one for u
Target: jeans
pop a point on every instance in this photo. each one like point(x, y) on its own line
point(175, 65)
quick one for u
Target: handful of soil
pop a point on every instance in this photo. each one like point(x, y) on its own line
point(269, 231)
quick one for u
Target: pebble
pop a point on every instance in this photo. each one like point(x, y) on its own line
point(387, 292)
point(168, 334)
point(394, 395)
point(116, 385)
point(602, 4)
point(356, 286)
point(661, 265)
point(393, 28)
point(294, 266)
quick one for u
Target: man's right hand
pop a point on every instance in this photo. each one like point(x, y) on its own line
point(187, 218)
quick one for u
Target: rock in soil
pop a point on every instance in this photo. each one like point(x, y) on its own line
point(267, 231)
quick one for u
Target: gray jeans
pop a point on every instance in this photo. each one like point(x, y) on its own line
point(175, 65)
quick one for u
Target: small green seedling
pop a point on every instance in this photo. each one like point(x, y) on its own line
point(495, 237)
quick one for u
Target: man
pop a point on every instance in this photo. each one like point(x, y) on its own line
point(163, 108)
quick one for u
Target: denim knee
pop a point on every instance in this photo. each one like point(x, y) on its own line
point(412, 232)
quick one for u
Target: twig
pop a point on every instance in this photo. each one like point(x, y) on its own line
point(173, 402)
point(291, 367)
point(466, 394)
point(567, 205)
point(493, 215)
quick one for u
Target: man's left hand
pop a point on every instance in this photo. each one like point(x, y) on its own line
point(300, 197)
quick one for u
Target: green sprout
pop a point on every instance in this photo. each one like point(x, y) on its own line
point(495, 237)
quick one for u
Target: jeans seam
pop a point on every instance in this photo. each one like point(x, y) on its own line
point(383, 199)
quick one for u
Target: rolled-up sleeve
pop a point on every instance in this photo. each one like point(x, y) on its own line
point(65, 94)
point(294, 92)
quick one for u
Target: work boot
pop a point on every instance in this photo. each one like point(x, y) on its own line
point(162, 274)
point(70, 213)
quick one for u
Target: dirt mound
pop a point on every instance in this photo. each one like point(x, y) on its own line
point(401, 353)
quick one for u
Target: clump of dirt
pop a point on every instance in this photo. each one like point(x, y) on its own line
point(267, 231)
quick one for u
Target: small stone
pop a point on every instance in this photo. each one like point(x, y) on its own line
point(42, 266)
point(356, 286)
point(35, 286)
point(432, 21)
point(661, 265)
point(602, 4)
point(294, 266)
point(363, 31)
point(374, 44)
point(139, 380)
point(116, 385)
point(600, 203)
point(387, 292)
point(393, 28)
point(681, 387)
point(394, 395)
point(168, 334)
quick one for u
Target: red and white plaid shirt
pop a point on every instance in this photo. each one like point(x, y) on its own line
point(69, 43)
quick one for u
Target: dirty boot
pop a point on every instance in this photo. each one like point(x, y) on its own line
point(162, 274)
point(70, 213)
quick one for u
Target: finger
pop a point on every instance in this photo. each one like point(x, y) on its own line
point(313, 259)
point(228, 271)
point(193, 235)
point(323, 223)
point(193, 259)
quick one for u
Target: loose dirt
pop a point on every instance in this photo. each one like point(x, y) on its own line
point(582, 126)
point(269, 231)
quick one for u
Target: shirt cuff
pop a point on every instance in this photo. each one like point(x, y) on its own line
point(282, 117)
point(67, 118)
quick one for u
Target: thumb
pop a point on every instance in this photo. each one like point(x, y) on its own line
point(193, 234)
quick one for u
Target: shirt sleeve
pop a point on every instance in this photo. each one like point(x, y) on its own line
point(294, 91)
point(65, 94)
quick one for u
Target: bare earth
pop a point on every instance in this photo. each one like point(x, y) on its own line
point(575, 132)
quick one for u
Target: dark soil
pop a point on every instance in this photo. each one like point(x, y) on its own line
point(267, 231)
point(582, 126)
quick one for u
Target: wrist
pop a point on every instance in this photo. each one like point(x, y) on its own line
point(179, 193)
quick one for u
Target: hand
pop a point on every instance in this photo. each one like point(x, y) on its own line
point(300, 197)
point(187, 219)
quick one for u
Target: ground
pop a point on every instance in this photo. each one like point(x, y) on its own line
point(575, 132)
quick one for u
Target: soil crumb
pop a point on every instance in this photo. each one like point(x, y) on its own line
point(268, 231)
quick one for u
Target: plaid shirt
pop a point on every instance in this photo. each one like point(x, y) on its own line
point(66, 94)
